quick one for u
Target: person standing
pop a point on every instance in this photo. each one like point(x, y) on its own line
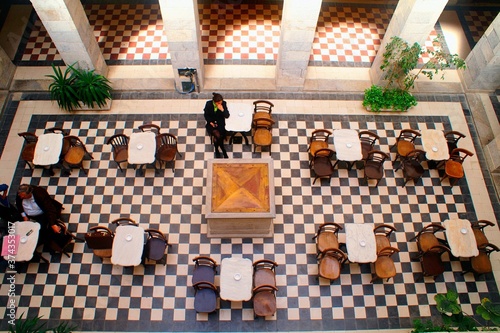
point(215, 113)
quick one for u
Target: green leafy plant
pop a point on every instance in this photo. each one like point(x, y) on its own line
point(489, 311)
point(400, 60)
point(63, 90)
point(377, 98)
point(76, 86)
point(28, 325)
point(428, 326)
point(456, 320)
point(91, 87)
point(32, 325)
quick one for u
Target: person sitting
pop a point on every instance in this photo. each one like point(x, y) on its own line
point(215, 113)
point(35, 203)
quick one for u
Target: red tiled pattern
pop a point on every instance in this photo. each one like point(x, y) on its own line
point(228, 32)
point(352, 34)
point(246, 31)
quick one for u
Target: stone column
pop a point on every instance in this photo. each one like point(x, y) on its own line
point(69, 29)
point(413, 21)
point(181, 24)
point(483, 63)
point(298, 25)
point(7, 69)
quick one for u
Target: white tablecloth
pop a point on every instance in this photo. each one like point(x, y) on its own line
point(236, 279)
point(434, 144)
point(240, 119)
point(347, 145)
point(360, 242)
point(142, 148)
point(48, 149)
point(128, 245)
point(27, 243)
point(461, 238)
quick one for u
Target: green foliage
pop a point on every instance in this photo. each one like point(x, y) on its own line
point(92, 87)
point(428, 326)
point(62, 89)
point(489, 311)
point(27, 325)
point(401, 58)
point(400, 61)
point(454, 319)
point(377, 98)
point(76, 86)
point(31, 325)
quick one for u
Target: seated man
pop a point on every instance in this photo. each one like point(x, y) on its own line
point(34, 202)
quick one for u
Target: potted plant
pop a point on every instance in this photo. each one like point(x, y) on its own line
point(400, 60)
point(77, 87)
point(32, 325)
point(455, 319)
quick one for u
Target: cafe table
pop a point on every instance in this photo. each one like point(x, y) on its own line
point(347, 146)
point(236, 279)
point(460, 238)
point(239, 121)
point(48, 149)
point(142, 148)
point(434, 144)
point(128, 245)
point(360, 242)
point(26, 235)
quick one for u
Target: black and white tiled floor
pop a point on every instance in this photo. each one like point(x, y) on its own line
point(98, 296)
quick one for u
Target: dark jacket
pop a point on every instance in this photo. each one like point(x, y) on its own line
point(51, 208)
point(215, 117)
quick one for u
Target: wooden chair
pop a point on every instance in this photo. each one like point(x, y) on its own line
point(262, 135)
point(374, 165)
point(28, 152)
point(431, 260)
point(481, 264)
point(155, 246)
point(100, 240)
point(264, 273)
point(330, 263)
point(261, 111)
point(318, 140)
point(60, 242)
point(478, 229)
point(410, 164)
point(76, 152)
point(150, 128)
point(368, 140)
point(124, 221)
point(452, 138)
point(167, 149)
point(382, 236)
point(205, 269)
point(384, 267)
point(426, 238)
point(405, 143)
point(453, 167)
point(264, 300)
point(119, 144)
point(327, 236)
point(321, 163)
point(205, 297)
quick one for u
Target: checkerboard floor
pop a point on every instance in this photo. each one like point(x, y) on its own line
point(98, 296)
point(228, 32)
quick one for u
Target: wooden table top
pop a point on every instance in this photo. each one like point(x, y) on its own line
point(240, 187)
